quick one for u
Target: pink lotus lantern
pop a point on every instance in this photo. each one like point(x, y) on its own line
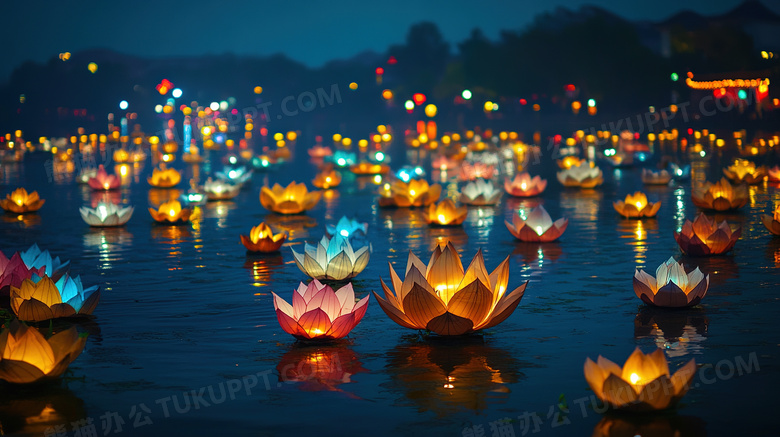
point(538, 227)
point(470, 172)
point(14, 271)
point(319, 313)
point(523, 185)
point(104, 181)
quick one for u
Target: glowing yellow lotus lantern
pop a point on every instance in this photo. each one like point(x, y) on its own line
point(671, 286)
point(171, 212)
point(40, 298)
point(404, 195)
point(479, 193)
point(121, 155)
point(569, 162)
point(164, 177)
point(721, 196)
point(445, 213)
point(20, 202)
point(26, 356)
point(327, 179)
point(636, 206)
point(744, 171)
point(704, 237)
point(772, 222)
point(442, 298)
point(584, 175)
point(651, 177)
point(365, 168)
point(538, 227)
point(523, 185)
point(262, 239)
point(642, 384)
point(220, 190)
point(319, 313)
point(292, 199)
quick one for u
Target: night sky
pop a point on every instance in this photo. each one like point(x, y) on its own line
point(311, 32)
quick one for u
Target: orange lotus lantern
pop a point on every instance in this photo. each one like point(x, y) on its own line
point(744, 171)
point(365, 168)
point(121, 156)
point(404, 195)
point(721, 196)
point(26, 356)
point(523, 185)
point(445, 213)
point(19, 202)
point(538, 227)
point(319, 313)
point(262, 239)
point(642, 384)
point(636, 206)
point(477, 170)
point(704, 237)
point(292, 199)
point(671, 286)
point(164, 177)
point(442, 298)
point(569, 162)
point(650, 177)
point(327, 179)
point(774, 174)
point(171, 212)
point(772, 222)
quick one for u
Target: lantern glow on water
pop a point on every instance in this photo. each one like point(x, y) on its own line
point(538, 227)
point(523, 185)
point(704, 237)
point(293, 199)
point(164, 177)
point(636, 206)
point(262, 239)
point(20, 202)
point(414, 193)
point(445, 213)
point(721, 196)
point(171, 212)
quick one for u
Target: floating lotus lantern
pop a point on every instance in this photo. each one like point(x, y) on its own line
point(721, 196)
point(636, 206)
point(171, 212)
point(327, 179)
point(480, 192)
point(20, 202)
point(671, 286)
point(220, 190)
point(319, 313)
point(523, 185)
point(366, 168)
point(34, 257)
point(320, 152)
point(26, 356)
point(262, 239)
point(704, 237)
point(347, 228)
point(104, 181)
point(332, 259)
point(445, 213)
point(651, 177)
point(744, 171)
point(236, 176)
point(584, 175)
point(444, 299)
point(538, 227)
point(106, 214)
point(121, 155)
point(774, 174)
point(680, 173)
point(772, 222)
point(416, 192)
point(14, 271)
point(293, 199)
point(40, 298)
point(164, 177)
point(470, 172)
point(569, 162)
point(642, 384)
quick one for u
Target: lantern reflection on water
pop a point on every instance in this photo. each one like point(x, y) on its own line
point(319, 368)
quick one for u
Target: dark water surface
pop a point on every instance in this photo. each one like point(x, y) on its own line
point(185, 340)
